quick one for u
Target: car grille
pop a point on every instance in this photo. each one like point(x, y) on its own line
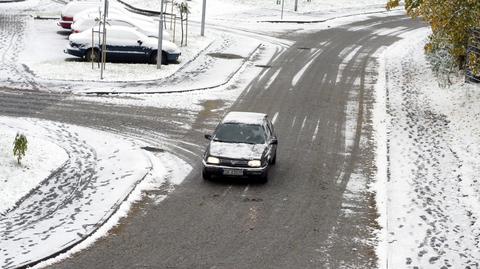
point(234, 162)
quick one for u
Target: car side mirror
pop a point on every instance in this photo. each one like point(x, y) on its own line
point(139, 42)
point(274, 141)
point(208, 136)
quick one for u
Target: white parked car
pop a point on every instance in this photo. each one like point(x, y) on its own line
point(113, 10)
point(122, 44)
point(74, 7)
point(148, 28)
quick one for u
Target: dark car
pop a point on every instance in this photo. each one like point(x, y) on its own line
point(243, 145)
point(122, 44)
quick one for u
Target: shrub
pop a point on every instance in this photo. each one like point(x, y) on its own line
point(450, 20)
point(441, 60)
point(20, 146)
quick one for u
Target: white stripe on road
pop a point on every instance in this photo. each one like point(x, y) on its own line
point(300, 73)
point(245, 191)
point(294, 119)
point(316, 131)
point(303, 124)
point(274, 119)
point(272, 79)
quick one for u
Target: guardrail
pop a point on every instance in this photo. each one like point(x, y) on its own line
point(472, 67)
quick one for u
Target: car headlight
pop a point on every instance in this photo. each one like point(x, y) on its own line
point(254, 163)
point(213, 160)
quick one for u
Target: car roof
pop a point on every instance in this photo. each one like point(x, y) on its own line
point(244, 117)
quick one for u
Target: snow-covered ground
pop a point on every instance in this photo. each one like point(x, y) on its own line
point(43, 55)
point(42, 158)
point(245, 10)
point(429, 161)
point(100, 172)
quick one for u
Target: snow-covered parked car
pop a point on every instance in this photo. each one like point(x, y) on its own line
point(74, 7)
point(145, 27)
point(113, 10)
point(244, 144)
point(122, 44)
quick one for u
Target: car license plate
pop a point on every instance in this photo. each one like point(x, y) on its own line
point(233, 172)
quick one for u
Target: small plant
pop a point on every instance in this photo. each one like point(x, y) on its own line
point(20, 146)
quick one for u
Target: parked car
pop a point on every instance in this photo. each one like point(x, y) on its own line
point(244, 144)
point(114, 10)
point(74, 7)
point(122, 44)
point(145, 27)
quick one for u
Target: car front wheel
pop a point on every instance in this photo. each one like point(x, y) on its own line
point(274, 159)
point(92, 55)
point(153, 58)
point(264, 177)
point(206, 175)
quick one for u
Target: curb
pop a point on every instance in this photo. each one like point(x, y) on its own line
point(10, 1)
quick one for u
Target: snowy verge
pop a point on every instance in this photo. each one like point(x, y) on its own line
point(42, 158)
point(167, 169)
point(71, 204)
point(428, 161)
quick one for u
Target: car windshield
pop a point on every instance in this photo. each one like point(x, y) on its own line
point(240, 133)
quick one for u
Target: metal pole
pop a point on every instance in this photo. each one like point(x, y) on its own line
point(296, 5)
point(93, 45)
point(204, 8)
point(104, 43)
point(283, 4)
point(186, 26)
point(174, 27)
point(171, 16)
point(160, 36)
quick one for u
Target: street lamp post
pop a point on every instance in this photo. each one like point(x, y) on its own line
point(160, 36)
point(204, 7)
point(283, 4)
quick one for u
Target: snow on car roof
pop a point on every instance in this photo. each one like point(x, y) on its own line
point(244, 117)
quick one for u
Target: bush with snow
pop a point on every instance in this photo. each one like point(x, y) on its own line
point(20, 146)
point(442, 61)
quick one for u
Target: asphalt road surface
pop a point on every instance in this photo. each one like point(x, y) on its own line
point(297, 219)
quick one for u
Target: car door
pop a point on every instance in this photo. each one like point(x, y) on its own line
point(125, 45)
point(272, 137)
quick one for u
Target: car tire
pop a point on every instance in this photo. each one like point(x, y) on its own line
point(164, 58)
point(92, 55)
point(274, 159)
point(153, 58)
point(264, 177)
point(206, 175)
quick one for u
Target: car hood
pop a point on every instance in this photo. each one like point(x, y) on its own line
point(237, 150)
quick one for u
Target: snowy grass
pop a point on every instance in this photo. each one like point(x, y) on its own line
point(42, 157)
